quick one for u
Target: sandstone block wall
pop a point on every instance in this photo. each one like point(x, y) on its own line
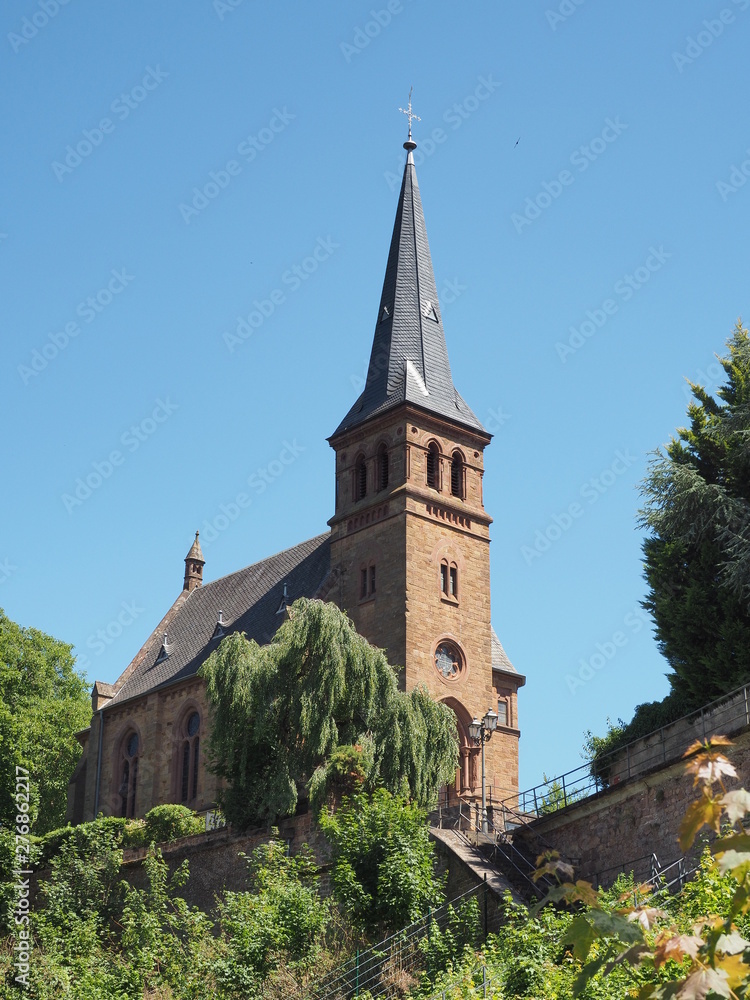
point(408, 531)
point(628, 822)
point(215, 863)
point(158, 719)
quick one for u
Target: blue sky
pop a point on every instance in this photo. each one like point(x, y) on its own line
point(176, 170)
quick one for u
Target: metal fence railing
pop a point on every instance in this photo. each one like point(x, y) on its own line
point(379, 970)
point(648, 869)
point(725, 715)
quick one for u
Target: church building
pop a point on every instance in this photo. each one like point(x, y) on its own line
point(407, 557)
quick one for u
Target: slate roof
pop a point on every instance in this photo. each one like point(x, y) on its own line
point(409, 360)
point(249, 600)
point(500, 659)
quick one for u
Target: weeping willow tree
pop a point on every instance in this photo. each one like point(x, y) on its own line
point(280, 711)
point(697, 557)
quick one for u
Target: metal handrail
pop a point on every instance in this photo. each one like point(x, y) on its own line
point(366, 967)
point(657, 748)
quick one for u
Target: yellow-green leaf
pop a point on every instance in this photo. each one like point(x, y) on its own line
point(705, 810)
point(581, 935)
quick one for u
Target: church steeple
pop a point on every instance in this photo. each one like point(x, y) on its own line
point(409, 359)
point(194, 563)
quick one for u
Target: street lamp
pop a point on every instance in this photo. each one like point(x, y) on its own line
point(481, 733)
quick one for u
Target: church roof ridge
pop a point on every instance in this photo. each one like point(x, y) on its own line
point(409, 358)
point(275, 555)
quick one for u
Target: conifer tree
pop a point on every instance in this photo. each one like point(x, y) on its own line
point(697, 558)
point(281, 710)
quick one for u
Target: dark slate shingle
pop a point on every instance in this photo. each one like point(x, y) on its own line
point(409, 360)
point(249, 600)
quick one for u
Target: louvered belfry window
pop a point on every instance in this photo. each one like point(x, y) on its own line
point(433, 466)
point(382, 467)
point(360, 478)
point(457, 475)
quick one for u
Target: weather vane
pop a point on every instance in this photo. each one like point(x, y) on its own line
point(408, 111)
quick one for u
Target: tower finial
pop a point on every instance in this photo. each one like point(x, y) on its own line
point(410, 144)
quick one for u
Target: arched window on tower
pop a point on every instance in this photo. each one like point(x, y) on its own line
point(128, 771)
point(449, 579)
point(382, 467)
point(433, 466)
point(189, 757)
point(457, 475)
point(360, 478)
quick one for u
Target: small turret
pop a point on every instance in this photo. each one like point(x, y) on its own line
point(194, 563)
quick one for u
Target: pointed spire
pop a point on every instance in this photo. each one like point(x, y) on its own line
point(194, 563)
point(409, 360)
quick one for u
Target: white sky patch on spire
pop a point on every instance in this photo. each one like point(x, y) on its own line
point(412, 370)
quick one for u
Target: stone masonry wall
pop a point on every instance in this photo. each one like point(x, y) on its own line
point(215, 863)
point(628, 821)
point(158, 719)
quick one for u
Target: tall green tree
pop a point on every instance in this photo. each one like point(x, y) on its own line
point(279, 712)
point(697, 557)
point(44, 701)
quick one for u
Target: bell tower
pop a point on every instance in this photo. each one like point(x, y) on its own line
point(410, 534)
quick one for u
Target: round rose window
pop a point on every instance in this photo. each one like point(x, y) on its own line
point(448, 661)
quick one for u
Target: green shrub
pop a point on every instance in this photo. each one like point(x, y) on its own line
point(383, 861)
point(134, 834)
point(162, 824)
point(52, 843)
point(170, 822)
point(278, 927)
point(84, 890)
point(445, 945)
point(344, 773)
point(648, 717)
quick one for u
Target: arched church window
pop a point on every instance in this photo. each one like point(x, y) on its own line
point(449, 579)
point(503, 715)
point(433, 466)
point(189, 754)
point(457, 475)
point(382, 467)
point(360, 478)
point(128, 770)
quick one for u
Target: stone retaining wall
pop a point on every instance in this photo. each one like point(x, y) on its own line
point(215, 863)
point(730, 715)
point(627, 822)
